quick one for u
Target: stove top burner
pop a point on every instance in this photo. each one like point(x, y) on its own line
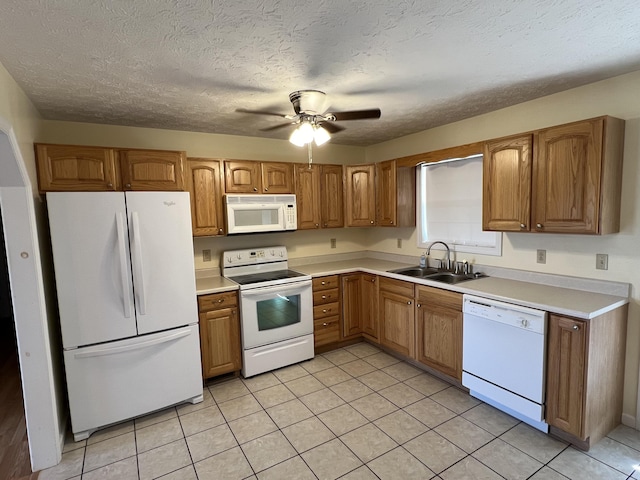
point(266, 276)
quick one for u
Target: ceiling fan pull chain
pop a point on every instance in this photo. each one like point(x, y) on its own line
point(310, 154)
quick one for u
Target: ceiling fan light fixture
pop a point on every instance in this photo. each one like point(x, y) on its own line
point(303, 134)
point(320, 135)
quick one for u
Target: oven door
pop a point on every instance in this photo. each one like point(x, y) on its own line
point(272, 314)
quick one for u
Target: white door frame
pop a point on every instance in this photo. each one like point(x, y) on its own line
point(42, 409)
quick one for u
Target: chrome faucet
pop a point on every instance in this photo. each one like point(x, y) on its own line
point(447, 259)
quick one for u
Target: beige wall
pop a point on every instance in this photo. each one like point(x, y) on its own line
point(196, 144)
point(566, 254)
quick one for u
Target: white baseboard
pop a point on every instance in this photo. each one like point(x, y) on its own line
point(629, 420)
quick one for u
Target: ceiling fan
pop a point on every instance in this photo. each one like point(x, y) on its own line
point(315, 124)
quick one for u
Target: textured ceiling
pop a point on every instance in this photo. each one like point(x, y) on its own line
point(189, 64)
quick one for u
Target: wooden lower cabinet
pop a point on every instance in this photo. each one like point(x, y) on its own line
point(585, 368)
point(397, 315)
point(326, 310)
point(359, 301)
point(219, 334)
point(439, 330)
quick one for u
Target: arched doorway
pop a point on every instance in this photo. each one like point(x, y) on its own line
point(18, 216)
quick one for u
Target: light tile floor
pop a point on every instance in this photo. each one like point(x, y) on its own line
point(353, 413)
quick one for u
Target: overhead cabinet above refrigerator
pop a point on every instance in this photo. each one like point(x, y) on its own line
point(127, 300)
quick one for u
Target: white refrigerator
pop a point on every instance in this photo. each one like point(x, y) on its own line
point(127, 299)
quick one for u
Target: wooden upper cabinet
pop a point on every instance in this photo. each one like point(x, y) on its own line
point(395, 195)
point(76, 168)
point(331, 193)
point(152, 169)
point(319, 196)
point(506, 196)
point(577, 177)
point(277, 177)
point(242, 176)
point(307, 189)
point(360, 191)
point(204, 178)
point(563, 179)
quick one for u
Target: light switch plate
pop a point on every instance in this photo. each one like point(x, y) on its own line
point(602, 261)
point(541, 256)
point(399, 243)
point(333, 243)
point(206, 255)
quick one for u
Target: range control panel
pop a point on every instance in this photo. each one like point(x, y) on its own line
point(254, 256)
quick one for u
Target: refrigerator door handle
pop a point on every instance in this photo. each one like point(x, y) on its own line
point(137, 265)
point(103, 350)
point(124, 275)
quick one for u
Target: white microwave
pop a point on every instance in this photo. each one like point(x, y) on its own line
point(260, 213)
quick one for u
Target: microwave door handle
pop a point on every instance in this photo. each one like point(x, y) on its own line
point(276, 289)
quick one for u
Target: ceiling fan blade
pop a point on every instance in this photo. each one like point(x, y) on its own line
point(262, 112)
point(276, 127)
point(331, 127)
point(357, 114)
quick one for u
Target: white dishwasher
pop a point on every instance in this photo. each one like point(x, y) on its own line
point(503, 357)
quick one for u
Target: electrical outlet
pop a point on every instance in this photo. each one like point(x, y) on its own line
point(602, 261)
point(333, 243)
point(399, 243)
point(206, 255)
point(541, 256)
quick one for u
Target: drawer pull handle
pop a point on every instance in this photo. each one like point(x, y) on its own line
point(576, 328)
point(324, 296)
point(325, 324)
point(323, 283)
point(220, 300)
point(324, 311)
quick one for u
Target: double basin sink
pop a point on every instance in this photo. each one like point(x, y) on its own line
point(438, 275)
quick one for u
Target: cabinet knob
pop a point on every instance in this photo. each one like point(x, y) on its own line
point(390, 222)
point(371, 222)
point(317, 225)
point(324, 296)
point(326, 224)
point(373, 280)
point(323, 283)
point(418, 305)
point(220, 300)
point(265, 189)
point(409, 302)
point(325, 324)
point(220, 230)
point(324, 310)
point(538, 225)
point(110, 185)
point(576, 328)
point(128, 185)
point(255, 189)
point(522, 225)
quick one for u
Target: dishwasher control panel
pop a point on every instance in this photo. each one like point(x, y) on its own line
point(506, 313)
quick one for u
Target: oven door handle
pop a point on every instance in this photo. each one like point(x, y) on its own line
point(283, 288)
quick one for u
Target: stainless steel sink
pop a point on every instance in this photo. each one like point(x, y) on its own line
point(435, 274)
point(418, 272)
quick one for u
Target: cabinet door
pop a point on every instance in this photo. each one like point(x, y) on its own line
point(75, 168)
point(567, 176)
point(152, 170)
point(307, 180)
point(277, 177)
point(439, 338)
point(220, 342)
point(566, 373)
point(386, 189)
point(241, 176)
point(369, 306)
point(397, 322)
point(331, 193)
point(204, 181)
point(351, 300)
point(361, 195)
point(506, 195)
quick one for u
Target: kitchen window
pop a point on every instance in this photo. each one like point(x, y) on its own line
point(450, 207)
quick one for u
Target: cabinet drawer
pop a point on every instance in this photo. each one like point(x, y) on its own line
point(436, 296)
point(326, 330)
point(325, 283)
point(322, 311)
point(396, 286)
point(216, 301)
point(326, 296)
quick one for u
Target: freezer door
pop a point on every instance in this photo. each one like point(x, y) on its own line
point(162, 260)
point(91, 261)
point(115, 381)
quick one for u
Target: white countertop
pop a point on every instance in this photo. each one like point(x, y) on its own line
point(554, 299)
